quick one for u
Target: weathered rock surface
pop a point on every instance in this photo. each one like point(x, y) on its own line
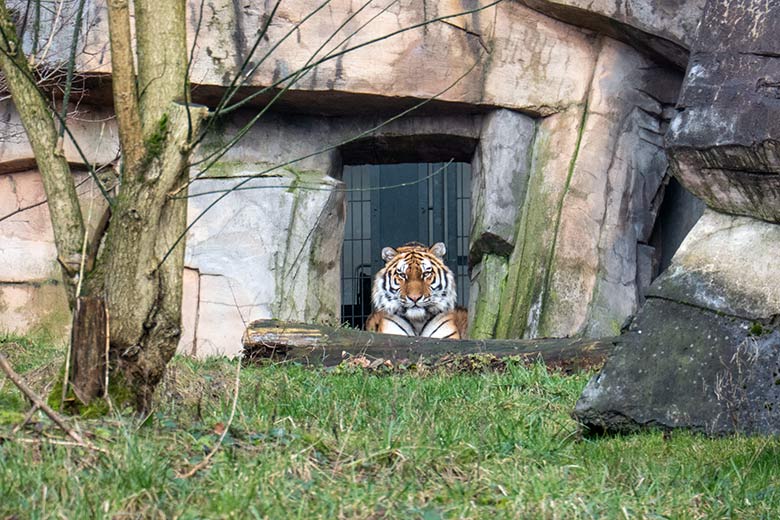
point(706, 353)
point(723, 142)
point(488, 279)
point(596, 172)
point(34, 307)
point(664, 28)
point(518, 37)
point(686, 367)
point(93, 128)
point(499, 178)
point(729, 265)
point(27, 252)
point(418, 63)
point(565, 125)
point(703, 352)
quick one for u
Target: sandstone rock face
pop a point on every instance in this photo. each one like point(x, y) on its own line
point(563, 127)
point(665, 28)
point(487, 285)
point(500, 171)
point(34, 307)
point(520, 40)
point(32, 299)
point(93, 128)
point(723, 141)
point(704, 351)
point(596, 172)
point(518, 37)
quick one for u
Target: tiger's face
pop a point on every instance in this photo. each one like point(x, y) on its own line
point(415, 283)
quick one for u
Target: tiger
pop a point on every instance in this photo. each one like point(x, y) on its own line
point(415, 295)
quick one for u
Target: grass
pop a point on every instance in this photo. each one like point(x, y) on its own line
point(348, 443)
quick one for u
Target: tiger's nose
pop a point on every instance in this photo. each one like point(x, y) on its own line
point(415, 297)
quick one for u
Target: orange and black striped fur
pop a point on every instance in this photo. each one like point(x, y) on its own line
point(415, 295)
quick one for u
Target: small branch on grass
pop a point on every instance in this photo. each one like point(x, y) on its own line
point(203, 463)
point(40, 403)
point(57, 442)
point(26, 419)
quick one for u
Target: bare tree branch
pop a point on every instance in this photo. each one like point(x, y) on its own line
point(162, 68)
point(58, 183)
point(124, 86)
point(71, 65)
point(40, 403)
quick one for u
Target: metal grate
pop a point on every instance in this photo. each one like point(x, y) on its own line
point(432, 204)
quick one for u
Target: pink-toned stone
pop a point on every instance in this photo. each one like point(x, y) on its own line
point(27, 249)
point(34, 308)
point(93, 128)
point(190, 300)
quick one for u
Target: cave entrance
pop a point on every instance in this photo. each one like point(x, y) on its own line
point(392, 204)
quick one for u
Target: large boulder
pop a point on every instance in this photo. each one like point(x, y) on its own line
point(727, 264)
point(704, 351)
point(685, 367)
point(723, 143)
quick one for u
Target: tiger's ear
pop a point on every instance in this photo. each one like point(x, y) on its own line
point(388, 253)
point(438, 249)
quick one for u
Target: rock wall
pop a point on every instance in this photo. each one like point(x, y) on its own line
point(592, 180)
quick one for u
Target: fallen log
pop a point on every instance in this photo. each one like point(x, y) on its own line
point(328, 346)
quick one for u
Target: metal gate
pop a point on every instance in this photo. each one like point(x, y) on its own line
point(392, 204)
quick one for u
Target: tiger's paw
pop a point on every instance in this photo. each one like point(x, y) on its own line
point(383, 323)
point(447, 325)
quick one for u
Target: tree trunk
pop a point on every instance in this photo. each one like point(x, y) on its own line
point(143, 293)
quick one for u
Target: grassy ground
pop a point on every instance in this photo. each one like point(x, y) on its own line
point(308, 443)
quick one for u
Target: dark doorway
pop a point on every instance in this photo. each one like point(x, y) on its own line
point(392, 204)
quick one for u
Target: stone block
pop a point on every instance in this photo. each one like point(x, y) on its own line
point(499, 178)
point(684, 367)
point(93, 127)
point(35, 308)
point(727, 264)
point(663, 28)
point(221, 321)
point(190, 301)
point(487, 283)
point(27, 251)
point(723, 141)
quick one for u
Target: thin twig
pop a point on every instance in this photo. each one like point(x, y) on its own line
point(202, 464)
point(37, 400)
point(58, 442)
point(71, 66)
point(26, 419)
point(42, 58)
